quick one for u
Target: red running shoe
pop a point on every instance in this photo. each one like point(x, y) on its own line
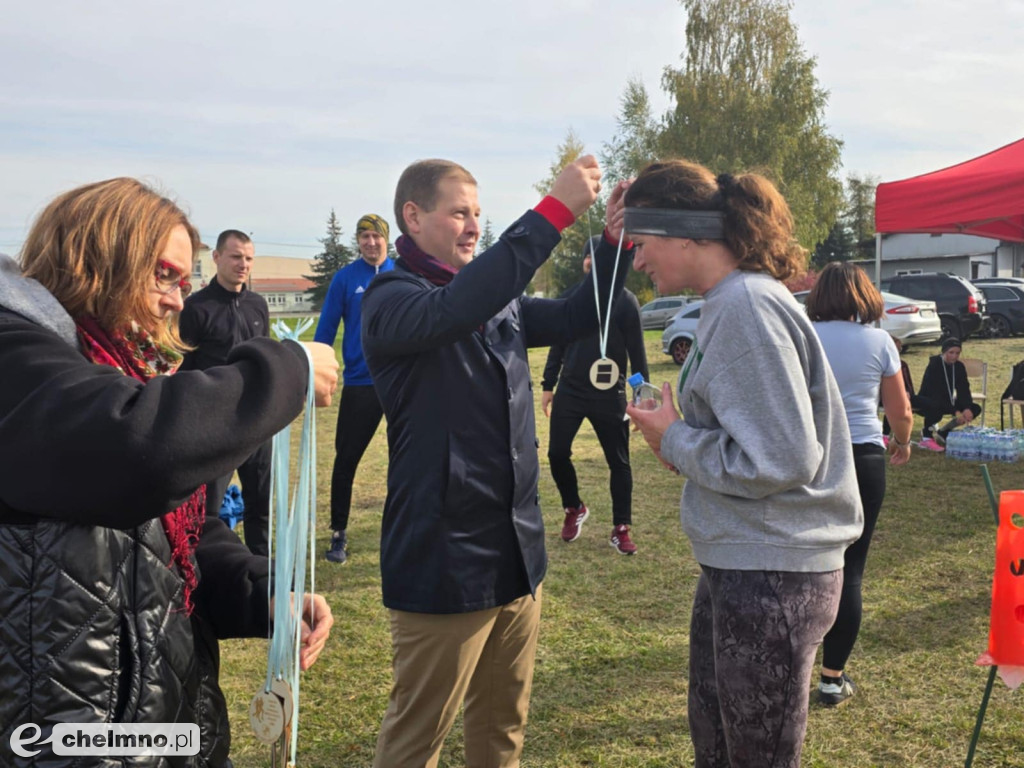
point(574, 519)
point(621, 542)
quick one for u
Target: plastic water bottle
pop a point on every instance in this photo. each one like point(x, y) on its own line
point(987, 448)
point(1008, 449)
point(954, 446)
point(646, 396)
point(972, 450)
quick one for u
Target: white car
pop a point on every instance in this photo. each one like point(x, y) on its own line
point(681, 331)
point(912, 321)
point(909, 320)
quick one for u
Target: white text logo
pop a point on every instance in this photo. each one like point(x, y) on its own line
point(109, 739)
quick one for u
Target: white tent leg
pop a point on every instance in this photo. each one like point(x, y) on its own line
point(878, 260)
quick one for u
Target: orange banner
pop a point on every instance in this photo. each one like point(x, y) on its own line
point(1006, 630)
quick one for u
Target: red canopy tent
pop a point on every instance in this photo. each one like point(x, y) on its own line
point(983, 196)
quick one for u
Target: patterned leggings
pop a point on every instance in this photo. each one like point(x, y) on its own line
point(753, 638)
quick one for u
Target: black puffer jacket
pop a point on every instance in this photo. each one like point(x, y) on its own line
point(92, 626)
point(84, 639)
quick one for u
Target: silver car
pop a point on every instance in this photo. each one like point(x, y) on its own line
point(678, 337)
point(658, 313)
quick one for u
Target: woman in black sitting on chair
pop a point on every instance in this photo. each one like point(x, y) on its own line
point(945, 391)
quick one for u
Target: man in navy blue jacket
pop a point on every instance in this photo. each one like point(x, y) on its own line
point(359, 412)
point(462, 540)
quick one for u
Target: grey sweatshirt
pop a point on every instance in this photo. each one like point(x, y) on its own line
point(763, 441)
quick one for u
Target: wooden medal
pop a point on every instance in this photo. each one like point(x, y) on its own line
point(604, 373)
point(266, 715)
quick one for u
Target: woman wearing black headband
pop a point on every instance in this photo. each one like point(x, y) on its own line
point(771, 500)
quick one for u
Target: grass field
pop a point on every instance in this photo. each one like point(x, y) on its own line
point(610, 686)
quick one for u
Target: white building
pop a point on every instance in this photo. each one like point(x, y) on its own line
point(278, 279)
point(284, 295)
point(966, 255)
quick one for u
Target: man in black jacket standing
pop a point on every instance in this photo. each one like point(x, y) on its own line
point(215, 319)
point(578, 398)
point(462, 542)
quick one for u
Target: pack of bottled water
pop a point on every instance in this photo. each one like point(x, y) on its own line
point(985, 444)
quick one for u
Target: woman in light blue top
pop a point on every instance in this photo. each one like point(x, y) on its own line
point(864, 361)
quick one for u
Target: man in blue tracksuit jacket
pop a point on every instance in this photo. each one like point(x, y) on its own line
point(359, 412)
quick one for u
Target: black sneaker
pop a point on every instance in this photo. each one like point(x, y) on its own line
point(832, 694)
point(338, 553)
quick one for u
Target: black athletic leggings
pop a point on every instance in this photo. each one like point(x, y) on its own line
point(359, 415)
point(869, 461)
point(606, 417)
point(254, 477)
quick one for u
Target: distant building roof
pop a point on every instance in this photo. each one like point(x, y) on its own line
point(281, 284)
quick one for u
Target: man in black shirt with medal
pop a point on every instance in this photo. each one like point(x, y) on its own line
point(590, 374)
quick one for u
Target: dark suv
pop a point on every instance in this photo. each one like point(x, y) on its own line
point(961, 305)
point(1005, 308)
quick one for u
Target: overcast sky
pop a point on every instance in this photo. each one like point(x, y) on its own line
point(265, 116)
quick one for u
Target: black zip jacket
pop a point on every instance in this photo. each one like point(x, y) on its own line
point(215, 320)
point(936, 380)
point(569, 366)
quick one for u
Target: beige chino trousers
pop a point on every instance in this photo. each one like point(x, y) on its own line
point(484, 658)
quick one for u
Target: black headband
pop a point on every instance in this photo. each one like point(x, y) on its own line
point(676, 222)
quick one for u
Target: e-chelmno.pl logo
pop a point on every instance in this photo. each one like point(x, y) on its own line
point(108, 739)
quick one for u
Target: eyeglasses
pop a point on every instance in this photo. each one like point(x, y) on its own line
point(168, 278)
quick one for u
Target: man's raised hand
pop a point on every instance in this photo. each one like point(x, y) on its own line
point(576, 187)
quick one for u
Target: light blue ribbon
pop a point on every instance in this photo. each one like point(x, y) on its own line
point(292, 526)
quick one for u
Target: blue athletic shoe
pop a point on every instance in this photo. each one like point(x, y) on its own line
point(338, 553)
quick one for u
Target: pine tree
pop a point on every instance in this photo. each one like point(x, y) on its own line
point(487, 237)
point(859, 214)
point(328, 262)
point(635, 144)
point(565, 266)
point(838, 246)
point(853, 234)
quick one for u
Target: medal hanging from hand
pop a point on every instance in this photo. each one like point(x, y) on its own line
point(604, 373)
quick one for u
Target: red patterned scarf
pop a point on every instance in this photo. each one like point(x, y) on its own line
point(136, 354)
point(422, 263)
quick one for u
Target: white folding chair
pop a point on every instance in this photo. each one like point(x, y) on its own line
point(978, 369)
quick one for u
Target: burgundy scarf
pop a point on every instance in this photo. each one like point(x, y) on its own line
point(422, 263)
point(135, 354)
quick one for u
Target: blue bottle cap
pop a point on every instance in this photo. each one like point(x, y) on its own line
point(636, 380)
